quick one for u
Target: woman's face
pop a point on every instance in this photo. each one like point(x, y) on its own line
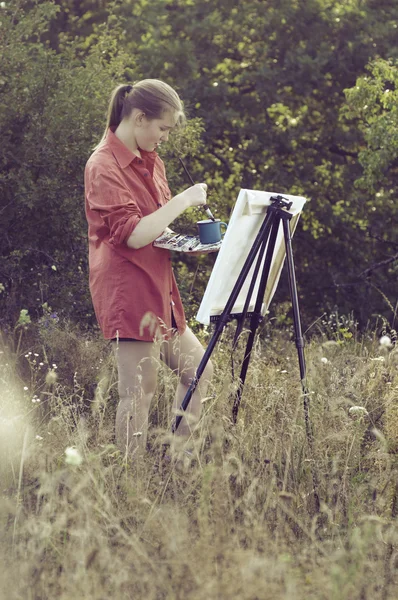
point(150, 133)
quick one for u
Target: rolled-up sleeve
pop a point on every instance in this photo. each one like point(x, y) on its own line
point(115, 205)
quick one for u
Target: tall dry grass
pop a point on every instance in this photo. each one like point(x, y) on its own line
point(238, 519)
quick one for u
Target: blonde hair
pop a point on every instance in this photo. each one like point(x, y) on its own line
point(152, 96)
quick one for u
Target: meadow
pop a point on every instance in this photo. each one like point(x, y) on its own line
point(237, 519)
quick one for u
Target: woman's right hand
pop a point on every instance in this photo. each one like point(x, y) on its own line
point(195, 195)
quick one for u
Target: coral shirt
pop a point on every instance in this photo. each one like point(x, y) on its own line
point(133, 290)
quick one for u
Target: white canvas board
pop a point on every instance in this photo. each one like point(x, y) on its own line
point(246, 220)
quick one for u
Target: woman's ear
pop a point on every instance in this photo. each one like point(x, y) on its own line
point(139, 118)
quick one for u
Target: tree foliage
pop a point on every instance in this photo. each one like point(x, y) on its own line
point(52, 108)
point(373, 102)
point(280, 88)
point(268, 80)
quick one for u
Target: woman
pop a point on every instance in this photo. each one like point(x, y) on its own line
point(134, 292)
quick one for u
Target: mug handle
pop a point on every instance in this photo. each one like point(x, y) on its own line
point(225, 225)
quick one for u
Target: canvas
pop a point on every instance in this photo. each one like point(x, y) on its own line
point(246, 219)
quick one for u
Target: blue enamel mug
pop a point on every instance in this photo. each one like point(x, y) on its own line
point(210, 231)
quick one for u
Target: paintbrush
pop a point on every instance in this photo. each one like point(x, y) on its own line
point(205, 206)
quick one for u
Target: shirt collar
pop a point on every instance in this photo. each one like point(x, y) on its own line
point(123, 155)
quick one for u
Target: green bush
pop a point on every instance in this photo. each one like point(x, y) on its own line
point(52, 107)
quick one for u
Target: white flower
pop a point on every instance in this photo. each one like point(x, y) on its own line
point(358, 411)
point(385, 341)
point(25, 388)
point(73, 456)
point(324, 360)
point(38, 437)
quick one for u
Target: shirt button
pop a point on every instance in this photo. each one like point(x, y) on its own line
point(171, 293)
point(145, 174)
point(159, 205)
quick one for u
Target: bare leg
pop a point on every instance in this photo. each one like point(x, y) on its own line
point(183, 354)
point(137, 364)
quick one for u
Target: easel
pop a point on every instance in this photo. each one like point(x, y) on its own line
point(264, 243)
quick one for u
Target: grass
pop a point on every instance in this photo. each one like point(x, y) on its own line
point(238, 520)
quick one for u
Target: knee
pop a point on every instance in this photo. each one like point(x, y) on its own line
point(188, 375)
point(142, 387)
point(149, 384)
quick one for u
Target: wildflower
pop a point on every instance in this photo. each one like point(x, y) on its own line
point(385, 341)
point(51, 377)
point(73, 456)
point(38, 437)
point(358, 411)
point(324, 360)
point(25, 388)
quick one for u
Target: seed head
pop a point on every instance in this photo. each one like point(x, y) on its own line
point(51, 377)
point(358, 411)
point(385, 341)
point(73, 456)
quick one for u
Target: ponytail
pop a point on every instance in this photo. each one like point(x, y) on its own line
point(116, 103)
point(115, 108)
point(152, 96)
